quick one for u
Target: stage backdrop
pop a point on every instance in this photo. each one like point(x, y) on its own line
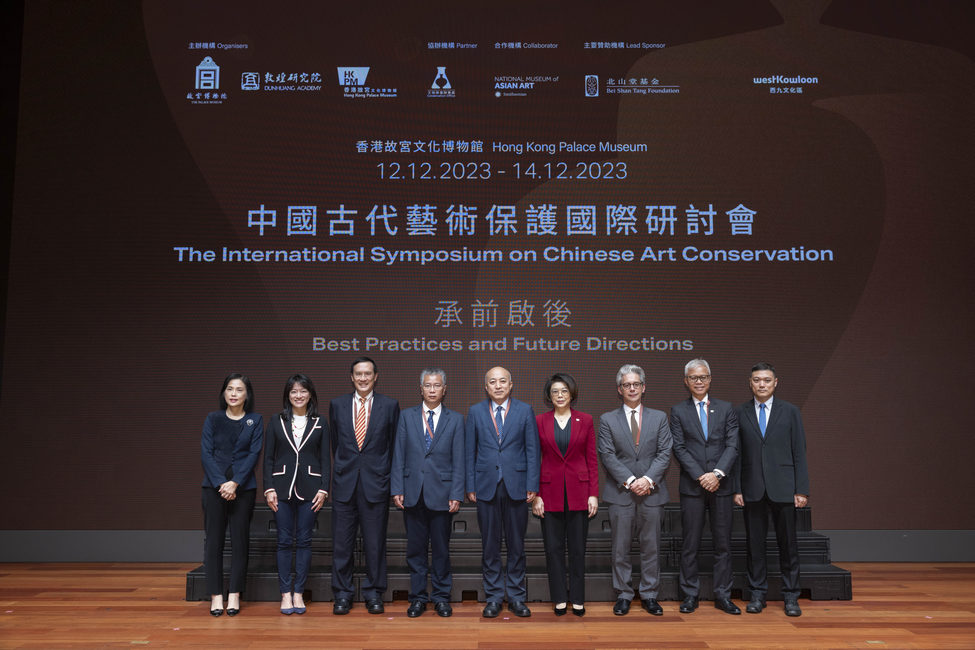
point(550, 186)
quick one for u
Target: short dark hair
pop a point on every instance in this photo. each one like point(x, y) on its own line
point(248, 403)
point(763, 365)
point(566, 379)
point(306, 383)
point(359, 360)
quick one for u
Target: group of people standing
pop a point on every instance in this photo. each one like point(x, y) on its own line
point(507, 461)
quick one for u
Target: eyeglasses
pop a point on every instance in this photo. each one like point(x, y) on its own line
point(432, 386)
point(696, 378)
point(631, 385)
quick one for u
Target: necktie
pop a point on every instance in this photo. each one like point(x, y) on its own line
point(704, 419)
point(634, 428)
point(761, 418)
point(499, 421)
point(429, 432)
point(360, 423)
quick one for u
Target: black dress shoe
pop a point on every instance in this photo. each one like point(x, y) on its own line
point(375, 606)
point(491, 610)
point(726, 606)
point(579, 611)
point(688, 605)
point(755, 605)
point(341, 606)
point(443, 609)
point(652, 606)
point(560, 611)
point(417, 607)
point(622, 607)
point(216, 612)
point(519, 608)
point(792, 608)
point(232, 611)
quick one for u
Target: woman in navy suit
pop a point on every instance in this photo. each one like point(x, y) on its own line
point(568, 493)
point(297, 469)
point(231, 444)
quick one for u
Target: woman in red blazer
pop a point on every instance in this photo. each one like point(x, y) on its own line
point(568, 495)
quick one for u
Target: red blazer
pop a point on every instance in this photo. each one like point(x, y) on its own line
point(577, 473)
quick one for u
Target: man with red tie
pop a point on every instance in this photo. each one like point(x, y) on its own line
point(363, 425)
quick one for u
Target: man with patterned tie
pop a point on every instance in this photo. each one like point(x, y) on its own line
point(503, 461)
point(771, 476)
point(427, 482)
point(705, 434)
point(634, 447)
point(363, 426)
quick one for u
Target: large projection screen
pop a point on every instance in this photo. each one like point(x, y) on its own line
point(207, 187)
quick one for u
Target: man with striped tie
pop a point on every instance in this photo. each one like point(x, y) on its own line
point(363, 425)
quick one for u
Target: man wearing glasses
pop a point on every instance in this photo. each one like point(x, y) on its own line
point(634, 445)
point(705, 434)
point(771, 476)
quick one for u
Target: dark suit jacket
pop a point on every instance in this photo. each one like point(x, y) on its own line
point(439, 473)
point(370, 466)
point(697, 456)
point(622, 459)
point(575, 475)
point(516, 453)
point(775, 464)
point(238, 456)
point(298, 471)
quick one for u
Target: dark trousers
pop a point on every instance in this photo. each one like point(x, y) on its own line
point(347, 517)
point(295, 521)
point(502, 514)
point(217, 513)
point(560, 529)
point(718, 509)
point(425, 529)
point(756, 529)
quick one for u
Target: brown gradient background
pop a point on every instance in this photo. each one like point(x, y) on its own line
point(114, 352)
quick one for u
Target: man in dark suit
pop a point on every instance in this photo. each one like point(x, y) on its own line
point(427, 482)
point(501, 446)
point(363, 426)
point(634, 446)
point(705, 432)
point(771, 476)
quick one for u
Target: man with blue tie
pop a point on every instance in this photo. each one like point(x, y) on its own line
point(771, 476)
point(705, 432)
point(427, 482)
point(503, 460)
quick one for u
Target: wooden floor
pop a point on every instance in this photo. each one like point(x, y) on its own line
point(140, 605)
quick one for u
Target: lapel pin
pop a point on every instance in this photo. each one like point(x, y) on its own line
point(250, 422)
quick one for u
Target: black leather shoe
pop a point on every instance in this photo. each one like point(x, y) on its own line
point(519, 608)
point(652, 606)
point(232, 611)
point(560, 611)
point(579, 611)
point(375, 606)
point(792, 608)
point(491, 610)
point(688, 605)
point(755, 605)
point(216, 612)
point(443, 609)
point(341, 606)
point(417, 607)
point(622, 607)
point(726, 606)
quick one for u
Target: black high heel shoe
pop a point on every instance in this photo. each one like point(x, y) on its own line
point(219, 612)
point(560, 611)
